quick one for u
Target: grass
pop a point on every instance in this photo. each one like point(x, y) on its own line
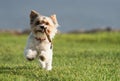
point(77, 57)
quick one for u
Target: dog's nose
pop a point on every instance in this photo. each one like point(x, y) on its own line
point(42, 27)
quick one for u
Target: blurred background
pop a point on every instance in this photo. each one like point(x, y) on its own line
point(72, 15)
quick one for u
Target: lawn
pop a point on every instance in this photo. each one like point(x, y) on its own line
point(77, 57)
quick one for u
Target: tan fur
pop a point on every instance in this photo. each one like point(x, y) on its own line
point(38, 43)
point(54, 18)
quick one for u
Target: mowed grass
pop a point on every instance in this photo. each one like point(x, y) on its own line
point(77, 57)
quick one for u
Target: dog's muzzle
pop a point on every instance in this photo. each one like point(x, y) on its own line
point(42, 27)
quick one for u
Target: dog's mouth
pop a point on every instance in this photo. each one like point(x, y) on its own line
point(41, 31)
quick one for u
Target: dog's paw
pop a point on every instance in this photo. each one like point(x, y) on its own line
point(42, 58)
point(30, 54)
point(29, 59)
point(48, 68)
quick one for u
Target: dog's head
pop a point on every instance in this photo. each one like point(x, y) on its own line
point(39, 23)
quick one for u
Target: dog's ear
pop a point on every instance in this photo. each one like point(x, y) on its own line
point(54, 19)
point(33, 15)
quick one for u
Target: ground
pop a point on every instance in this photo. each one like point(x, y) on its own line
point(77, 57)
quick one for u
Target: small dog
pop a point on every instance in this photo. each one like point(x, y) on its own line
point(39, 44)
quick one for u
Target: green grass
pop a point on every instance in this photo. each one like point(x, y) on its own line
point(77, 57)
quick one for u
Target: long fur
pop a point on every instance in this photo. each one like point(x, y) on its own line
point(41, 48)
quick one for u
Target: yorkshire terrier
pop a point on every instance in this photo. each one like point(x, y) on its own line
point(39, 43)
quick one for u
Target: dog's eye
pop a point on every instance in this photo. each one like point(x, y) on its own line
point(37, 23)
point(47, 23)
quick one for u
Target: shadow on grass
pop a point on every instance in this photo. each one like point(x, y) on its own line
point(18, 70)
point(14, 69)
point(31, 73)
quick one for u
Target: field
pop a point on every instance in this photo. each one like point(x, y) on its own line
point(77, 57)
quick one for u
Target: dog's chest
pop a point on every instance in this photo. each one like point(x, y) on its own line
point(42, 45)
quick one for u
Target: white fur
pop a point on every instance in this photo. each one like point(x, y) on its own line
point(35, 48)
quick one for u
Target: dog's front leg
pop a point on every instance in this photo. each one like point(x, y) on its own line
point(49, 60)
point(49, 64)
point(42, 63)
point(30, 54)
point(45, 59)
point(42, 59)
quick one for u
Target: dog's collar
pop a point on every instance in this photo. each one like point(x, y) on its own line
point(48, 37)
point(40, 39)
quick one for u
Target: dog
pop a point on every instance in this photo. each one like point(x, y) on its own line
point(39, 43)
